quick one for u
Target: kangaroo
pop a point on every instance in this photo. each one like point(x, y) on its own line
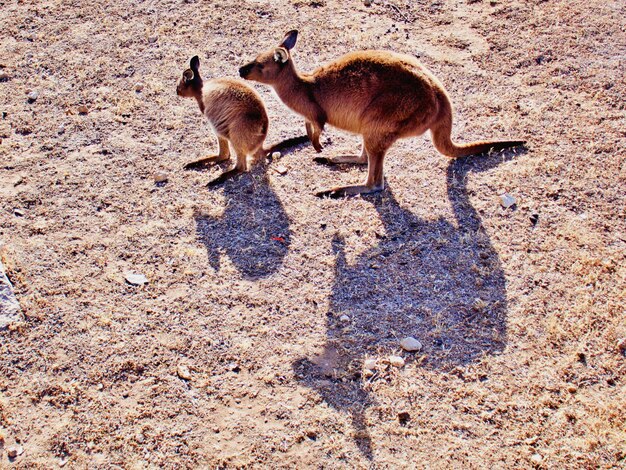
point(236, 114)
point(383, 96)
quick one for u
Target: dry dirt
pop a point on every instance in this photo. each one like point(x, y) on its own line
point(235, 353)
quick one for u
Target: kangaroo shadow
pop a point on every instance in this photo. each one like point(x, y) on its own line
point(254, 229)
point(439, 281)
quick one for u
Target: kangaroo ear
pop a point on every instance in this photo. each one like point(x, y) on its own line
point(195, 64)
point(188, 75)
point(290, 39)
point(281, 55)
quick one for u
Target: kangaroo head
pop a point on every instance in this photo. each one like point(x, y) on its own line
point(268, 65)
point(190, 84)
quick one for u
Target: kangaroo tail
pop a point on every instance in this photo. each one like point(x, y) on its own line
point(285, 144)
point(441, 132)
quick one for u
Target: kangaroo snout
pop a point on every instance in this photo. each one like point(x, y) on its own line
point(245, 70)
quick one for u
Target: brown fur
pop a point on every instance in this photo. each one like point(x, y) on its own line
point(237, 115)
point(384, 96)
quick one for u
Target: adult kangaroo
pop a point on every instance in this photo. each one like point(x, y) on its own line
point(384, 96)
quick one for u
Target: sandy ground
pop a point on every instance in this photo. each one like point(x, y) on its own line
point(246, 349)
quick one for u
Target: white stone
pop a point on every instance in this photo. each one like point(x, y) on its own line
point(506, 200)
point(33, 95)
point(369, 364)
point(276, 154)
point(396, 361)
point(281, 169)
point(14, 451)
point(410, 344)
point(138, 87)
point(344, 318)
point(10, 311)
point(135, 279)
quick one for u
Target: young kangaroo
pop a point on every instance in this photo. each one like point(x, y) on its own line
point(384, 96)
point(236, 114)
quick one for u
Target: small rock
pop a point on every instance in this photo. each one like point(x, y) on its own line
point(404, 417)
point(138, 87)
point(369, 364)
point(536, 459)
point(410, 344)
point(153, 39)
point(14, 451)
point(135, 279)
point(10, 310)
point(61, 129)
point(63, 461)
point(534, 218)
point(280, 169)
point(276, 154)
point(83, 109)
point(183, 372)
point(506, 200)
point(4, 77)
point(396, 361)
point(344, 318)
point(160, 177)
point(621, 345)
point(100, 387)
point(367, 3)
point(18, 212)
point(32, 96)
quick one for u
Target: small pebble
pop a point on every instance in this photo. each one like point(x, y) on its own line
point(621, 345)
point(138, 87)
point(506, 200)
point(367, 3)
point(276, 154)
point(160, 177)
point(369, 364)
point(536, 459)
point(136, 279)
point(18, 212)
point(280, 169)
point(32, 96)
point(83, 109)
point(14, 451)
point(152, 39)
point(4, 77)
point(344, 318)
point(404, 417)
point(396, 361)
point(183, 372)
point(534, 218)
point(410, 344)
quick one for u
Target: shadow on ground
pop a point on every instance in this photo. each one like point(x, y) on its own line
point(253, 231)
point(439, 281)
